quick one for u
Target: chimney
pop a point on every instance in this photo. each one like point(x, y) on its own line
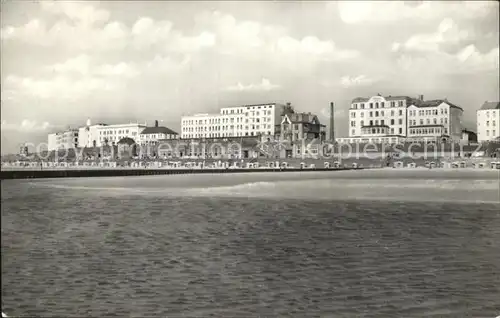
point(332, 133)
point(156, 123)
point(421, 98)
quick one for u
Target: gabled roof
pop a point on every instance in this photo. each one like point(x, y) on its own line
point(435, 103)
point(490, 105)
point(158, 130)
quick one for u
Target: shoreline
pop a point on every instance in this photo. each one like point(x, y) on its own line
point(126, 172)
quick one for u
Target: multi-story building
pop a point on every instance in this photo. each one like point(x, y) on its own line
point(397, 118)
point(238, 121)
point(378, 118)
point(67, 139)
point(435, 120)
point(152, 135)
point(111, 134)
point(298, 126)
point(488, 122)
point(88, 136)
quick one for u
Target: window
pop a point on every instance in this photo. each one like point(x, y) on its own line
point(382, 113)
point(392, 113)
point(383, 104)
point(382, 122)
point(400, 130)
point(400, 112)
point(371, 105)
point(376, 114)
point(353, 114)
point(392, 121)
point(400, 121)
point(371, 114)
point(362, 114)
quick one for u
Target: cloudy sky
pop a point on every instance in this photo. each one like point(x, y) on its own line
point(63, 62)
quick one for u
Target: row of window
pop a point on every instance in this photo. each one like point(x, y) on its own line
point(493, 123)
point(493, 133)
point(493, 113)
point(227, 127)
point(427, 131)
point(379, 130)
point(229, 134)
point(442, 121)
point(114, 132)
point(399, 103)
point(226, 120)
point(377, 113)
point(240, 110)
point(376, 122)
point(427, 112)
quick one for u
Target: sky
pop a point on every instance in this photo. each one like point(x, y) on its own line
point(115, 62)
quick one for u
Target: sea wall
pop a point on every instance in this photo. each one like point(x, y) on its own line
point(119, 172)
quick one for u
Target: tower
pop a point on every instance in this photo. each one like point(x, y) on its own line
point(332, 130)
point(88, 122)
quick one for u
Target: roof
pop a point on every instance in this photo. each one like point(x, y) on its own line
point(388, 98)
point(435, 103)
point(126, 141)
point(490, 105)
point(158, 130)
point(302, 118)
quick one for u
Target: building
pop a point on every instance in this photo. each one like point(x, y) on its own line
point(111, 134)
point(378, 118)
point(298, 126)
point(488, 120)
point(88, 136)
point(67, 139)
point(393, 119)
point(469, 136)
point(152, 135)
point(238, 121)
point(435, 120)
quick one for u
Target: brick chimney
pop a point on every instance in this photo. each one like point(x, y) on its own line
point(156, 123)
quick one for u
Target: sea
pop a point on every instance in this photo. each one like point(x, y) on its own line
point(373, 243)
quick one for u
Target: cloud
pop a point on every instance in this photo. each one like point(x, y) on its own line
point(61, 87)
point(467, 60)
point(264, 85)
point(348, 81)
point(76, 11)
point(26, 126)
point(447, 32)
point(354, 12)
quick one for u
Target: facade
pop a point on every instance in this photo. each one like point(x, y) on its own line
point(67, 139)
point(152, 135)
point(239, 121)
point(397, 118)
point(88, 136)
point(488, 121)
point(435, 120)
point(378, 116)
point(299, 126)
point(469, 136)
point(111, 134)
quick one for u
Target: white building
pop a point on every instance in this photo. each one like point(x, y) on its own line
point(435, 120)
point(247, 120)
point(67, 139)
point(88, 136)
point(378, 119)
point(398, 118)
point(152, 135)
point(488, 121)
point(111, 134)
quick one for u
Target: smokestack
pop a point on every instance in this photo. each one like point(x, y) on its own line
point(332, 131)
point(156, 123)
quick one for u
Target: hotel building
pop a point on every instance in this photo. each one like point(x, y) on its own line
point(152, 135)
point(394, 119)
point(88, 136)
point(111, 134)
point(435, 120)
point(488, 122)
point(238, 121)
point(67, 139)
